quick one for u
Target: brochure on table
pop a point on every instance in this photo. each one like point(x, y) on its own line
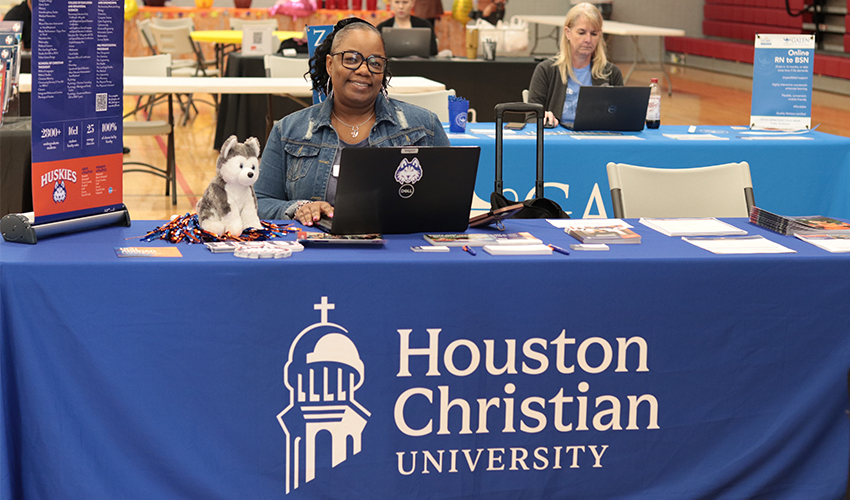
point(782, 82)
point(77, 107)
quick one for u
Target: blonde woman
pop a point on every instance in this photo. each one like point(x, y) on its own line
point(582, 60)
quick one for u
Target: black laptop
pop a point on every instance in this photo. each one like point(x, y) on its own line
point(406, 42)
point(403, 190)
point(619, 109)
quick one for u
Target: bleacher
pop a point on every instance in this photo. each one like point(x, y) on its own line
point(729, 28)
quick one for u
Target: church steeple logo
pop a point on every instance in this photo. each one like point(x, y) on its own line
point(322, 373)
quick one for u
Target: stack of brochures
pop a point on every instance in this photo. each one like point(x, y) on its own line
point(481, 239)
point(810, 224)
point(340, 239)
point(609, 234)
point(701, 226)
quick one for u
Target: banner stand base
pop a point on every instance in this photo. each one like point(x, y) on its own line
point(20, 228)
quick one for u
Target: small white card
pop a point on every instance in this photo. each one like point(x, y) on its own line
point(257, 40)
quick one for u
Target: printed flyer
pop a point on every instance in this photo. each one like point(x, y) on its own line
point(782, 82)
point(77, 107)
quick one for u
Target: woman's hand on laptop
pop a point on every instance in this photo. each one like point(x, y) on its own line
point(311, 212)
point(549, 119)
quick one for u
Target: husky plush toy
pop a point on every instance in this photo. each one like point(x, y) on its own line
point(229, 203)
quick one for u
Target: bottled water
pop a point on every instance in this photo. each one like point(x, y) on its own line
point(653, 110)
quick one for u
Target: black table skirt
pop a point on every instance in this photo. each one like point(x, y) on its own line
point(483, 83)
point(15, 165)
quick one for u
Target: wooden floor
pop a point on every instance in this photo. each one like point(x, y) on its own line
point(699, 98)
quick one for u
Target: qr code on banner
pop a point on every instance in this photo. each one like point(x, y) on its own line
point(100, 102)
point(258, 37)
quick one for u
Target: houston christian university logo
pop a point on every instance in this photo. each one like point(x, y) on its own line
point(322, 373)
point(407, 174)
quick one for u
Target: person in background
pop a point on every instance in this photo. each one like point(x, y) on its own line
point(582, 60)
point(403, 19)
point(494, 11)
point(300, 164)
point(22, 12)
point(429, 9)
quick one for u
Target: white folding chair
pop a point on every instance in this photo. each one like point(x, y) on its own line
point(157, 65)
point(284, 67)
point(176, 40)
point(436, 101)
point(143, 26)
point(178, 22)
point(178, 65)
point(716, 191)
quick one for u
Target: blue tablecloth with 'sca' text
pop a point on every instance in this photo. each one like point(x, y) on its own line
point(650, 371)
point(802, 174)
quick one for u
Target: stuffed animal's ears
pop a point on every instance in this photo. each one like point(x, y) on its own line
point(253, 146)
point(225, 148)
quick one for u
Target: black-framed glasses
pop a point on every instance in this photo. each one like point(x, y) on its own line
point(351, 59)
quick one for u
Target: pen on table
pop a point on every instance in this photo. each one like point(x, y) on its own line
point(559, 249)
point(468, 249)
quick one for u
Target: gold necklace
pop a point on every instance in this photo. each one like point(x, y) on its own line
point(355, 129)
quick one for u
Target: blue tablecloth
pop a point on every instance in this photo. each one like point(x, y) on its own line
point(809, 176)
point(653, 371)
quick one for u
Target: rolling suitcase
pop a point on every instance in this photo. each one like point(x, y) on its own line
point(539, 207)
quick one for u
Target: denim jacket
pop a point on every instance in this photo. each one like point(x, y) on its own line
point(296, 163)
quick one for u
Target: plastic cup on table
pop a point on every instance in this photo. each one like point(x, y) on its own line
point(458, 111)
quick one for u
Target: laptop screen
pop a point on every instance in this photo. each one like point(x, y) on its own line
point(405, 42)
point(404, 190)
point(621, 109)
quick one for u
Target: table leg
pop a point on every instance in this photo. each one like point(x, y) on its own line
point(635, 61)
point(534, 47)
point(663, 67)
point(171, 164)
point(551, 36)
point(640, 58)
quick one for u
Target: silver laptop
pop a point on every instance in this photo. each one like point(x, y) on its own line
point(406, 42)
point(620, 109)
point(403, 190)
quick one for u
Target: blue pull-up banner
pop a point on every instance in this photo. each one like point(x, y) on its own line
point(77, 107)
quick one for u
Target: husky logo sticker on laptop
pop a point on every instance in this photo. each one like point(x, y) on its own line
point(407, 174)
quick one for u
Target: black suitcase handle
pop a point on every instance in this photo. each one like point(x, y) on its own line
point(520, 107)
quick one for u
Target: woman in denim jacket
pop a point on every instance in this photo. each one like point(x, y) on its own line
point(300, 164)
